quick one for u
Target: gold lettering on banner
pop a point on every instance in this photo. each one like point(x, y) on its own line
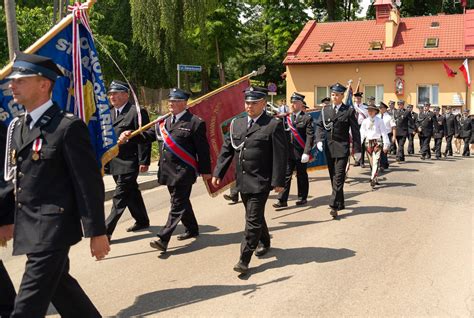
point(214, 128)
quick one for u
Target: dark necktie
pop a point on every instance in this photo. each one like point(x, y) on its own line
point(250, 124)
point(26, 127)
point(173, 120)
point(118, 113)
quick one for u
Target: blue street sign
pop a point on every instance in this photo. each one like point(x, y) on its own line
point(189, 68)
point(272, 87)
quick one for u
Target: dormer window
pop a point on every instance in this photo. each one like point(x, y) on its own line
point(435, 25)
point(431, 43)
point(376, 46)
point(326, 47)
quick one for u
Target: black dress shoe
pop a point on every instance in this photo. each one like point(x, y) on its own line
point(362, 165)
point(159, 245)
point(373, 183)
point(280, 204)
point(242, 268)
point(261, 250)
point(109, 238)
point(333, 213)
point(231, 198)
point(301, 202)
point(186, 236)
point(138, 227)
point(422, 158)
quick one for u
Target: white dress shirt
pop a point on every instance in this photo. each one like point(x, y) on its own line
point(119, 110)
point(178, 116)
point(388, 121)
point(38, 112)
point(374, 128)
point(254, 119)
point(362, 112)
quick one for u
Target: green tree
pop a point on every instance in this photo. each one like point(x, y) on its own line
point(31, 26)
point(335, 10)
point(161, 26)
point(413, 8)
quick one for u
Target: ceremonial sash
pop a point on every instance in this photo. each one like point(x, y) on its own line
point(296, 134)
point(176, 149)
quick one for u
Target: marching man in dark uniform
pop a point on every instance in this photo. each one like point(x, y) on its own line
point(411, 129)
point(450, 129)
point(300, 145)
point(259, 145)
point(426, 124)
point(402, 120)
point(438, 132)
point(7, 212)
point(184, 155)
point(131, 159)
point(465, 131)
point(59, 193)
point(332, 137)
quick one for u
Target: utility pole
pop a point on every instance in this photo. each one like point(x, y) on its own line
point(12, 30)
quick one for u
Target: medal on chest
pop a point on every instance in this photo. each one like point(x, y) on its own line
point(13, 156)
point(37, 144)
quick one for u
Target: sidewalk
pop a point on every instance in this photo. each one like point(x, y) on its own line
point(147, 180)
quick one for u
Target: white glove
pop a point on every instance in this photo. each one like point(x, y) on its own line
point(319, 145)
point(304, 158)
point(357, 156)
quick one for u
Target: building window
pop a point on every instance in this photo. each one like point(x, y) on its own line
point(326, 47)
point(428, 93)
point(376, 45)
point(321, 92)
point(375, 91)
point(434, 25)
point(431, 43)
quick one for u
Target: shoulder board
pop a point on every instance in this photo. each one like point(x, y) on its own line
point(45, 119)
point(69, 115)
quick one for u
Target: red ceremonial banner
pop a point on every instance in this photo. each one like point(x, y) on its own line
point(218, 111)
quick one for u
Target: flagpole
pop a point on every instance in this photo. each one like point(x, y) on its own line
point(44, 39)
point(260, 70)
point(467, 88)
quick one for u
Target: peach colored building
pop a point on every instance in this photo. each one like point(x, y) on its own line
point(395, 58)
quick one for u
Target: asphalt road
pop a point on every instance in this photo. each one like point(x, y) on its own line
point(402, 250)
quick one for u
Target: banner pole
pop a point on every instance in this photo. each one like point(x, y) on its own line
point(44, 39)
point(261, 70)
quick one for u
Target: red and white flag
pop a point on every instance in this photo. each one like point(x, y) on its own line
point(465, 71)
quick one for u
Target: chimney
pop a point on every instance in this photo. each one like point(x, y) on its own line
point(388, 13)
point(382, 10)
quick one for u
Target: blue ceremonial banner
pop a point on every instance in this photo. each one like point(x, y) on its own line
point(349, 94)
point(319, 159)
point(96, 112)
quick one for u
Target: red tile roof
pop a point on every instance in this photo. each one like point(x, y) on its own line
point(351, 40)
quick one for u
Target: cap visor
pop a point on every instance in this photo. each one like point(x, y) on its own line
point(16, 75)
point(253, 99)
point(114, 90)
